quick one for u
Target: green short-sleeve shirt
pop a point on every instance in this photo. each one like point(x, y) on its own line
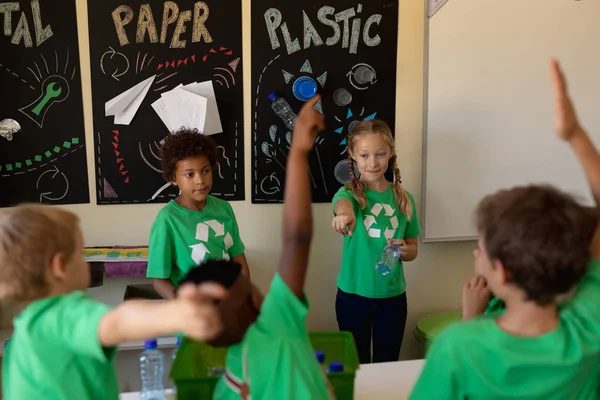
point(180, 238)
point(280, 361)
point(55, 353)
point(379, 221)
point(477, 360)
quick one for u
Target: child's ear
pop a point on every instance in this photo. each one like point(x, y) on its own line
point(504, 273)
point(58, 266)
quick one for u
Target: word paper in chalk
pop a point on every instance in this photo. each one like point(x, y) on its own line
point(192, 106)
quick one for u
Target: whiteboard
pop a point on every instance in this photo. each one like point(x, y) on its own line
point(489, 121)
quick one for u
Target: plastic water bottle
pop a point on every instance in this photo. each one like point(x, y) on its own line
point(283, 110)
point(389, 258)
point(335, 366)
point(320, 355)
point(152, 370)
point(173, 356)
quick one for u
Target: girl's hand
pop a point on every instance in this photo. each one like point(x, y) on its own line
point(401, 243)
point(475, 297)
point(344, 223)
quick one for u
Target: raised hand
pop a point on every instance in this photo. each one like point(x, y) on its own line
point(566, 123)
point(308, 123)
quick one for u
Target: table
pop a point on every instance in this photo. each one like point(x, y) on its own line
point(382, 381)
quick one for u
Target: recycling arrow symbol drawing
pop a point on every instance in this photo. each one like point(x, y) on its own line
point(53, 175)
point(112, 52)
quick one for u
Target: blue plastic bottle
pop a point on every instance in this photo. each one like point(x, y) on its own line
point(389, 258)
point(152, 370)
point(335, 366)
point(283, 110)
point(320, 355)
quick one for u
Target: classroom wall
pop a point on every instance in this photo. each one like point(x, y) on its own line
point(434, 279)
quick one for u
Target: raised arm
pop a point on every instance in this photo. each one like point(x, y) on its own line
point(193, 313)
point(569, 129)
point(297, 215)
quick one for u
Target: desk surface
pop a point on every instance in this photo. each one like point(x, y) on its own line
point(383, 381)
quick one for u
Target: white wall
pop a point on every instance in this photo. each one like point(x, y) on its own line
point(434, 279)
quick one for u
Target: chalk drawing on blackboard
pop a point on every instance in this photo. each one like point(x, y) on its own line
point(352, 120)
point(321, 168)
point(322, 79)
point(145, 160)
point(306, 67)
point(13, 73)
point(362, 76)
point(108, 192)
point(270, 184)
point(45, 63)
point(54, 89)
point(160, 190)
point(120, 63)
point(55, 184)
point(287, 77)
point(42, 159)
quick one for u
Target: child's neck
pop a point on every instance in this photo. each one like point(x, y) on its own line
point(526, 318)
point(190, 204)
point(379, 185)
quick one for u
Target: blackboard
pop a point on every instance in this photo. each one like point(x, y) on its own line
point(176, 43)
point(45, 161)
point(291, 39)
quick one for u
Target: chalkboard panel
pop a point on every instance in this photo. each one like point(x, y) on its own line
point(44, 161)
point(293, 39)
point(162, 45)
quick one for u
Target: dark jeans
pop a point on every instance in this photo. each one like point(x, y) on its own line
point(384, 318)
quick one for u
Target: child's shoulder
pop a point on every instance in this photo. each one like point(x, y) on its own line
point(220, 204)
point(463, 334)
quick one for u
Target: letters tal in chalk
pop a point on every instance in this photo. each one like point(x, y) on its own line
point(346, 25)
point(21, 32)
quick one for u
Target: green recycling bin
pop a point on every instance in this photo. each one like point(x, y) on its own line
point(429, 326)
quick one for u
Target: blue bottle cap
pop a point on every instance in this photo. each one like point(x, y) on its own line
point(150, 344)
point(320, 356)
point(272, 96)
point(179, 341)
point(304, 88)
point(336, 366)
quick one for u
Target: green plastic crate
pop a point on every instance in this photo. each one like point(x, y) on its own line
point(194, 361)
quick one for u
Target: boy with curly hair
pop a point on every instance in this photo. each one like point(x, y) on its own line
point(64, 342)
point(535, 244)
point(195, 226)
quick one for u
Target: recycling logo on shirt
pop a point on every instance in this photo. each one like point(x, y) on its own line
point(375, 221)
point(203, 231)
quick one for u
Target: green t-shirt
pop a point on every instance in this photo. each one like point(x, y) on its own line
point(477, 360)
point(379, 221)
point(275, 358)
point(55, 353)
point(180, 238)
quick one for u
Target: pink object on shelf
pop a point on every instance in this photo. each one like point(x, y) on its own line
point(126, 269)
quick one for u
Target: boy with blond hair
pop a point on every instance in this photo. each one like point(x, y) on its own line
point(64, 342)
point(534, 246)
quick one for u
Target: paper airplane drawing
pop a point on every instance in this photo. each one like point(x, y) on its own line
point(124, 106)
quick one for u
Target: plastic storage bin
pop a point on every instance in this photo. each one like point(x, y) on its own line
point(430, 326)
point(194, 361)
